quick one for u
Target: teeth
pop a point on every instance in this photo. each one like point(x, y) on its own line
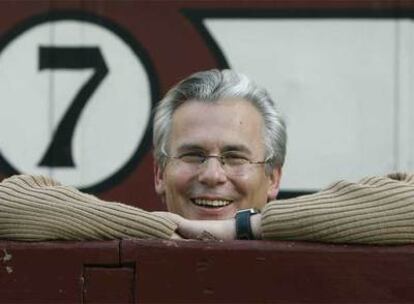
point(211, 203)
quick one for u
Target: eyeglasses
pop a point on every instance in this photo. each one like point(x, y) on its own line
point(232, 163)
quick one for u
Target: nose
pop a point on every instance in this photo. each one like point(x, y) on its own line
point(212, 173)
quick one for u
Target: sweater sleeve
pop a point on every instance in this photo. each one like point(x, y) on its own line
point(377, 210)
point(36, 208)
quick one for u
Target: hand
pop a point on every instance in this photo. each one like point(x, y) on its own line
point(202, 229)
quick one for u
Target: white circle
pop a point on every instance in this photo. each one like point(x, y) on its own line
point(33, 102)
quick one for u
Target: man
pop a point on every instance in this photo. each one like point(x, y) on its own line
point(219, 147)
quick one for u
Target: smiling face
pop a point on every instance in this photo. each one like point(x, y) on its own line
point(226, 126)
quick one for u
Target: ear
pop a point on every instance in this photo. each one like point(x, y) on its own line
point(159, 180)
point(274, 182)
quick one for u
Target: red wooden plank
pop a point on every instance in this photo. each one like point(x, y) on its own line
point(49, 272)
point(276, 272)
point(108, 285)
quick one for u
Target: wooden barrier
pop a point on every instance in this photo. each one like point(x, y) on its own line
point(137, 271)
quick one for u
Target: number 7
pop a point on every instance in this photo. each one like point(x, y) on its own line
point(59, 151)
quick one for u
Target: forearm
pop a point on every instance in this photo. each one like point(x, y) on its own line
point(375, 211)
point(38, 208)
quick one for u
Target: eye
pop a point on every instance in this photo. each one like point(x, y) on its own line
point(192, 157)
point(234, 159)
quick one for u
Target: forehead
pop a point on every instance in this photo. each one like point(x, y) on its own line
point(217, 124)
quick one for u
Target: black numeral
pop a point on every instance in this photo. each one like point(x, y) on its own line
point(59, 151)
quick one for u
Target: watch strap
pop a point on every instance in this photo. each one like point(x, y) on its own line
point(243, 224)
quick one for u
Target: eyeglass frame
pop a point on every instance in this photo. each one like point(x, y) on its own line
point(220, 158)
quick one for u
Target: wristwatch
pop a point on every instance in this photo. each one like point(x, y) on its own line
point(243, 224)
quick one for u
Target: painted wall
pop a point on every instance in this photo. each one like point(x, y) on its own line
point(79, 79)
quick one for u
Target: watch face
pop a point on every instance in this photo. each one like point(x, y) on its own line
point(254, 211)
point(250, 211)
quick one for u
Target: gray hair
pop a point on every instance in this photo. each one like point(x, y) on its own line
point(210, 86)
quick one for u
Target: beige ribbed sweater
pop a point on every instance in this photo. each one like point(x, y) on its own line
point(378, 210)
point(35, 208)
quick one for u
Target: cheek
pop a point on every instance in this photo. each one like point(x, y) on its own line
point(177, 181)
point(177, 185)
point(249, 183)
point(253, 188)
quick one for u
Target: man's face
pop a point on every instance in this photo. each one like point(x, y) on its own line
point(210, 192)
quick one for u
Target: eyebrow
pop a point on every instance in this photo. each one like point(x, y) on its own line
point(189, 147)
point(226, 148)
point(239, 148)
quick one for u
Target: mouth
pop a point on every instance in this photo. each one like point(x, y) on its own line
point(211, 203)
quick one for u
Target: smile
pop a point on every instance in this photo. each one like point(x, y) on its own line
point(209, 203)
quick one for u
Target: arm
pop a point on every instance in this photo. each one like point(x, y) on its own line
point(378, 210)
point(35, 208)
point(211, 229)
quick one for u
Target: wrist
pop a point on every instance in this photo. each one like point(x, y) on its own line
point(256, 223)
point(246, 229)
